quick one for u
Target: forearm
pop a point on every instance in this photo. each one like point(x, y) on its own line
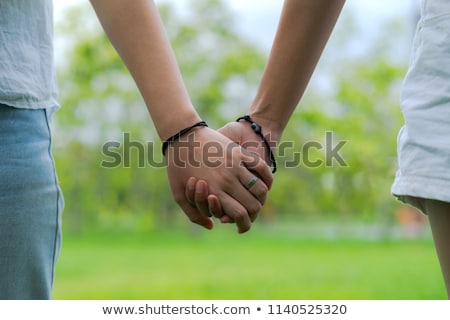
point(136, 31)
point(303, 31)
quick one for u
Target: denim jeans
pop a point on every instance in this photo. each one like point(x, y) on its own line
point(30, 205)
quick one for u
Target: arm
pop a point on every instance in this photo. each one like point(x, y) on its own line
point(303, 31)
point(136, 31)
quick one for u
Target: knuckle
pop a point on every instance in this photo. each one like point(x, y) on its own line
point(239, 214)
point(260, 193)
point(254, 208)
point(263, 189)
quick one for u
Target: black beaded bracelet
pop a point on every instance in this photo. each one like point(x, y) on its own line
point(177, 135)
point(258, 130)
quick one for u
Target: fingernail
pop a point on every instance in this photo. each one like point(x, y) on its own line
point(200, 188)
point(191, 184)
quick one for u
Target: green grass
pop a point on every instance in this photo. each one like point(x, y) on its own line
point(223, 265)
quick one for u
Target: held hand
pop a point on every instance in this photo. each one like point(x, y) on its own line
point(242, 134)
point(225, 167)
point(197, 190)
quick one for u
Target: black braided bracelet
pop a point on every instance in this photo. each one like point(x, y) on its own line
point(258, 130)
point(177, 135)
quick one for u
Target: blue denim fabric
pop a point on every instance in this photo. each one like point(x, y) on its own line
point(30, 205)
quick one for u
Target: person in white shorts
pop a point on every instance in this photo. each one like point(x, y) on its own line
point(423, 177)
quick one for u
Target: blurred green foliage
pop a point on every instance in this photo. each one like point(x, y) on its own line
point(221, 69)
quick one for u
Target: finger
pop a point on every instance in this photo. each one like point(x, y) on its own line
point(257, 165)
point(247, 200)
point(201, 197)
point(249, 192)
point(195, 216)
point(236, 212)
point(226, 219)
point(258, 189)
point(190, 190)
point(214, 206)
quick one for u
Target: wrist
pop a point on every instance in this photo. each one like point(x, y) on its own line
point(267, 139)
point(180, 134)
point(171, 124)
point(271, 129)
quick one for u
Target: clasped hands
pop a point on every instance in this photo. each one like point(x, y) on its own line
point(223, 173)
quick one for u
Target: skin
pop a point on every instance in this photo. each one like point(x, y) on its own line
point(439, 217)
point(136, 31)
point(303, 31)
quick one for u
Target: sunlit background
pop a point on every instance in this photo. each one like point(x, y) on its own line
point(327, 232)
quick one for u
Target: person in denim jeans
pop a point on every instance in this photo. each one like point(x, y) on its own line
point(30, 199)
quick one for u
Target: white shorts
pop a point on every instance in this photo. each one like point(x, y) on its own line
point(424, 140)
